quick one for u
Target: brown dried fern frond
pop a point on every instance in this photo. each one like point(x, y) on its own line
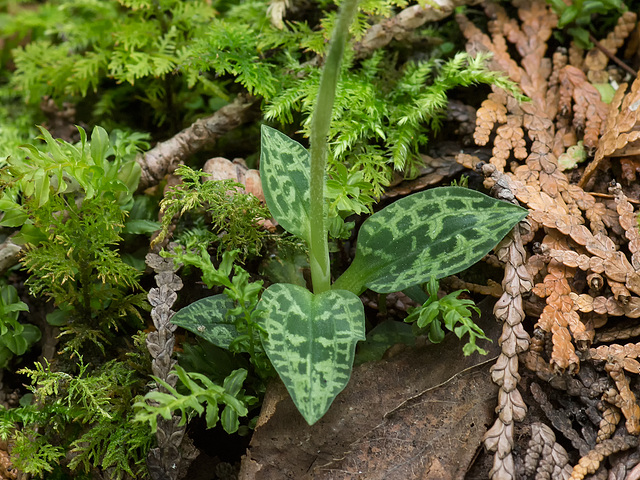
point(545, 457)
point(489, 113)
point(622, 131)
point(589, 110)
point(590, 462)
point(586, 267)
point(596, 60)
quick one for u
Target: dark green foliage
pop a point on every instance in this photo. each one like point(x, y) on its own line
point(82, 46)
point(382, 337)
point(201, 391)
point(87, 414)
point(15, 337)
point(68, 200)
point(240, 318)
point(231, 48)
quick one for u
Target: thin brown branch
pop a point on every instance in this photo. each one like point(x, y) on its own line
point(166, 156)
point(612, 57)
point(403, 24)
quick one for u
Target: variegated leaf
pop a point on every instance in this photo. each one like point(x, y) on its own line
point(311, 342)
point(284, 171)
point(434, 233)
point(207, 318)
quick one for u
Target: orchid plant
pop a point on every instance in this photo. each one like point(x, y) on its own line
point(310, 336)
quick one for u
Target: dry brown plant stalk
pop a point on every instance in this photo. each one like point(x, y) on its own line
point(405, 23)
point(590, 462)
point(514, 340)
point(171, 458)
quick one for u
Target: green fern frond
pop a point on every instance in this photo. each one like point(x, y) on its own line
point(231, 49)
point(96, 402)
point(203, 397)
point(32, 454)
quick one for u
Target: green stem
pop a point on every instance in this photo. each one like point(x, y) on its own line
point(318, 243)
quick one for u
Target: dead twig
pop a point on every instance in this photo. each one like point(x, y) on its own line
point(612, 57)
point(166, 156)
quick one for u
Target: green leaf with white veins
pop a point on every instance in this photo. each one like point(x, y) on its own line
point(434, 233)
point(208, 319)
point(284, 171)
point(311, 342)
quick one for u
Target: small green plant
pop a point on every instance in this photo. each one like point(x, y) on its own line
point(228, 320)
point(71, 201)
point(311, 336)
point(451, 312)
point(577, 17)
point(15, 337)
point(234, 215)
point(201, 391)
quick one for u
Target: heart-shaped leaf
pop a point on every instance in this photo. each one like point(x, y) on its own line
point(208, 318)
point(311, 342)
point(284, 171)
point(430, 234)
